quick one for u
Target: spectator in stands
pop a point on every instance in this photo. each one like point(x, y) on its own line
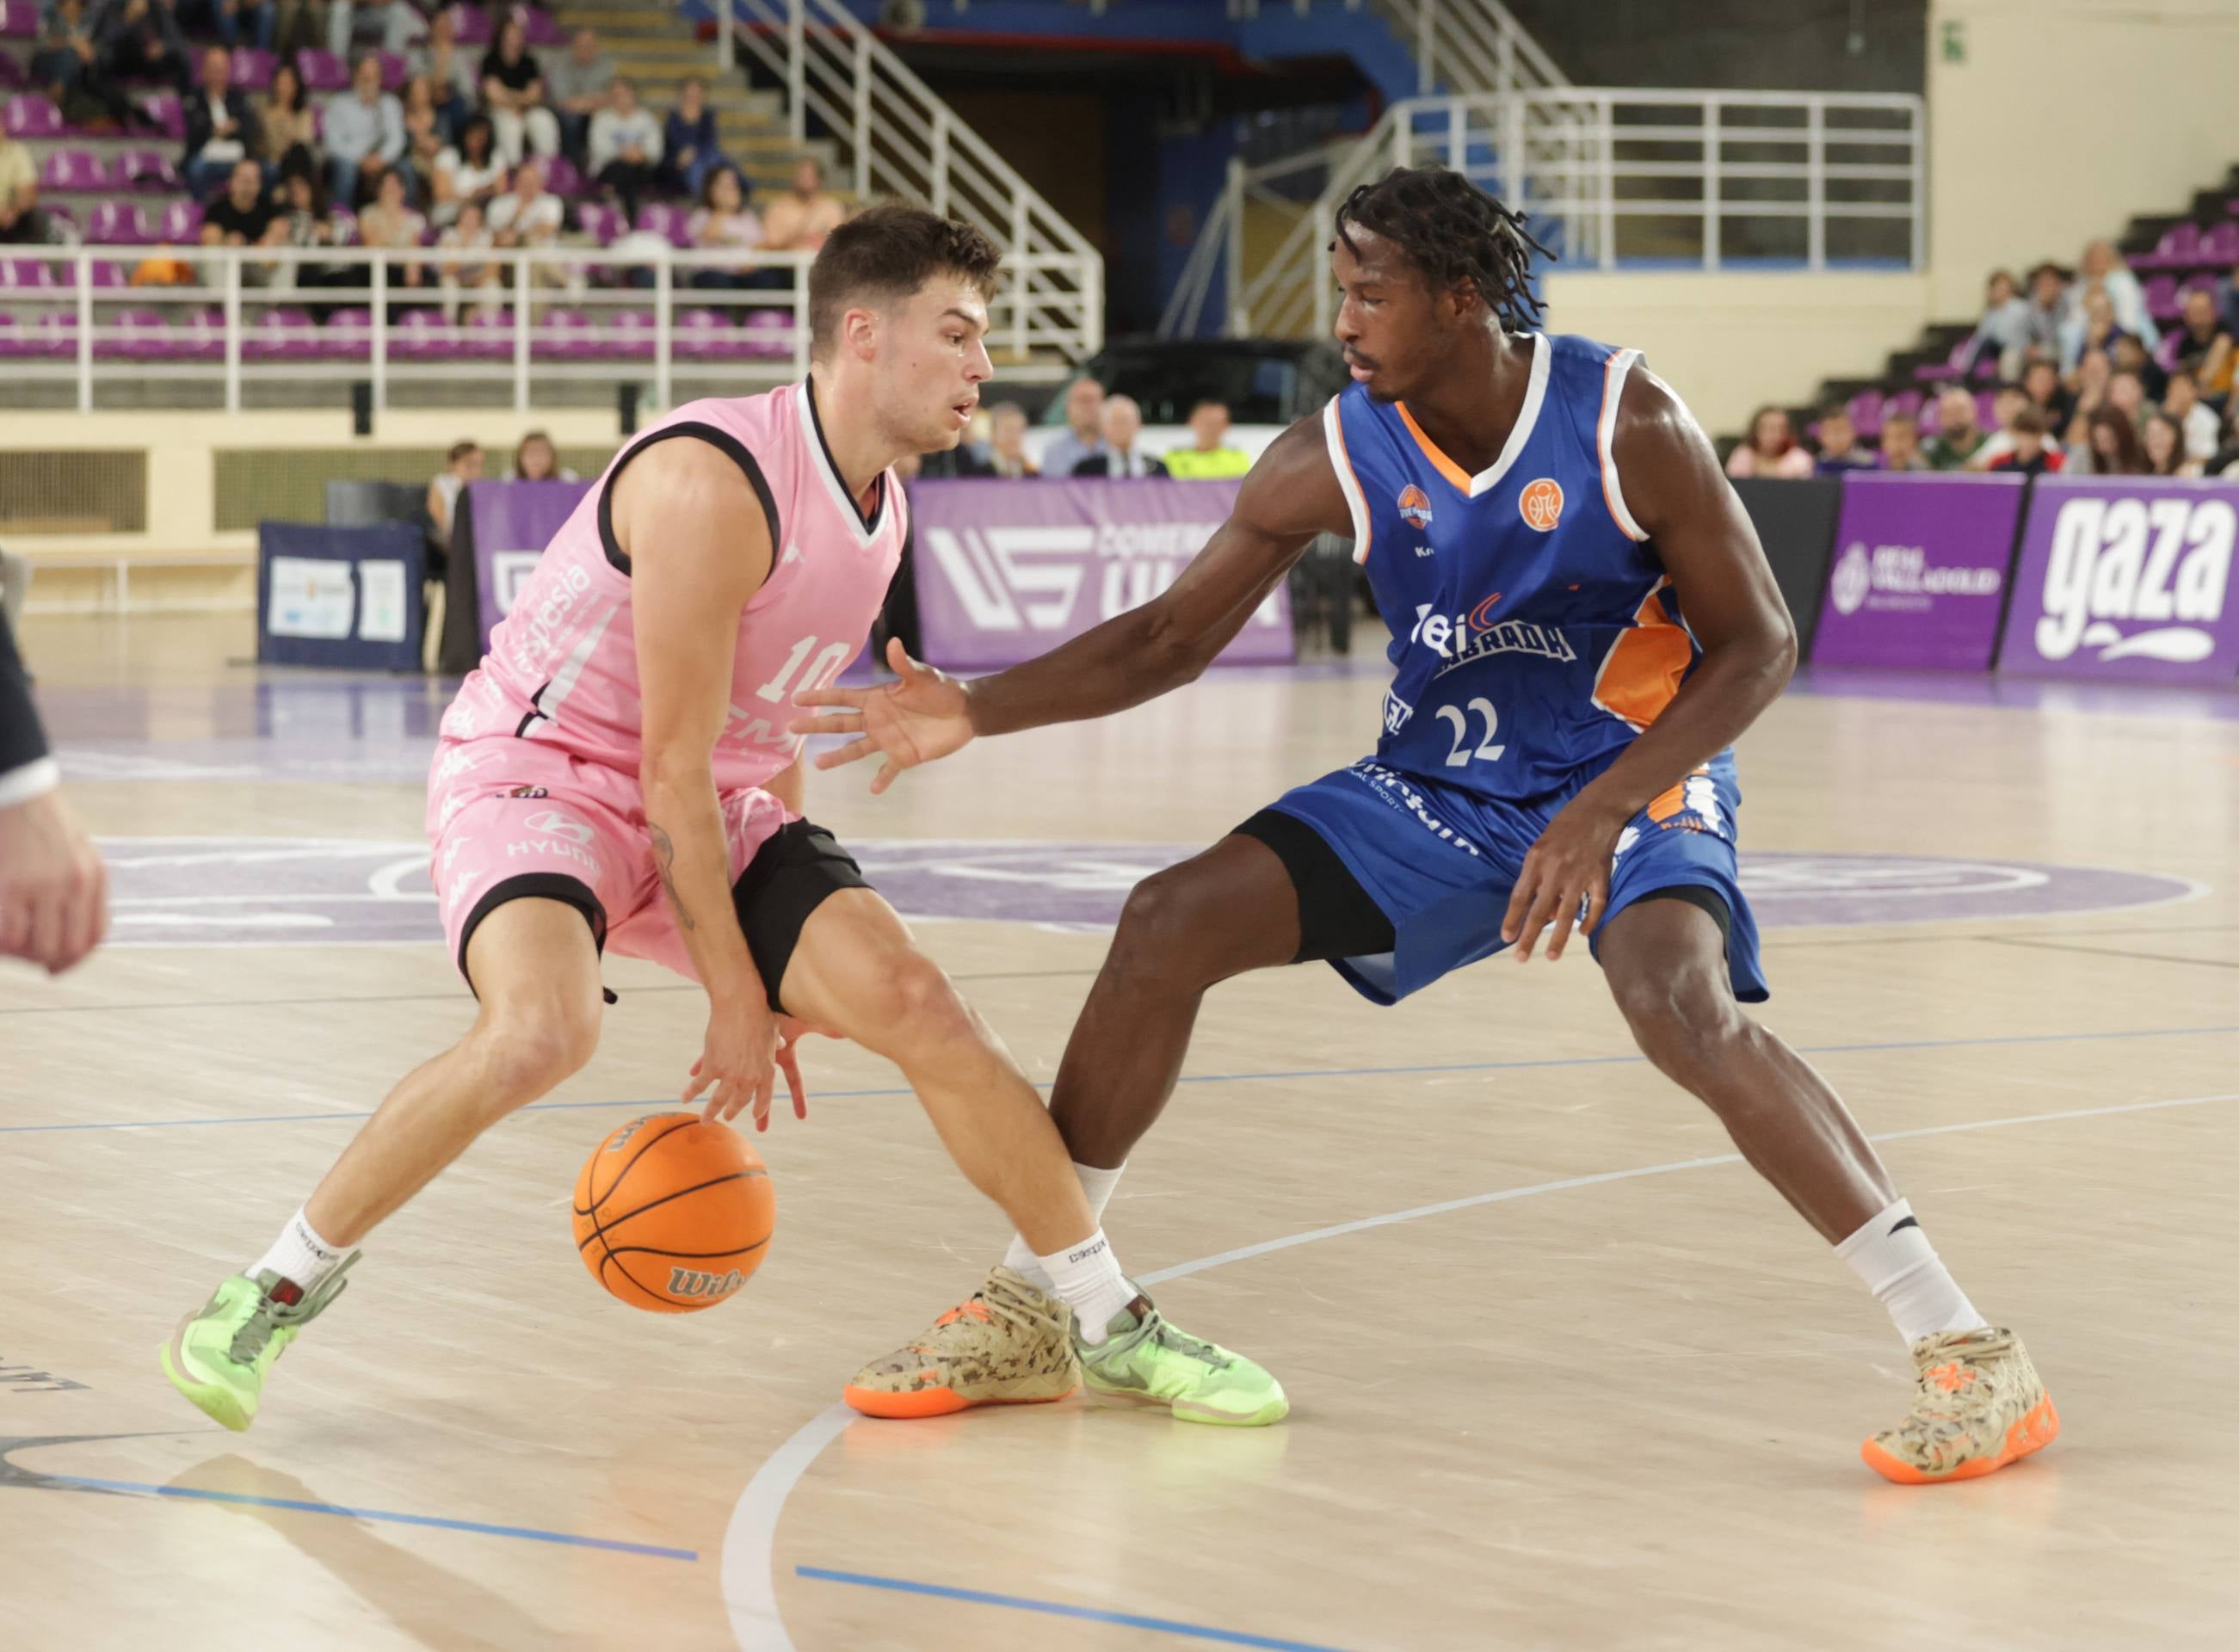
point(2103, 271)
point(423, 135)
point(309, 224)
point(470, 233)
point(1123, 427)
point(139, 40)
point(2088, 385)
point(537, 460)
point(222, 126)
point(461, 466)
point(64, 54)
point(2110, 446)
point(692, 143)
point(2203, 344)
point(364, 134)
point(389, 222)
point(1838, 445)
point(2181, 402)
point(1084, 431)
point(2224, 461)
point(1957, 437)
point(2028, 454)
point(449, 70)
point(2126, 394)
point(2090, 326)
point(2129, 357)
point(2002, 335)
point(287, 136)
point(2048, 300)
point(2008, 401)
point(1901, 443)
point(528, 215)
point(22, 223)
point(230, 20)
point(394, 23)
point(243, 216)
point(513, 92)
point(723, 219)
point(1209, 453)
point(625, 147)
point(797, 220)
point(1771, 449)
point(470, 170)
point(2163, 442)
point(2042, 380)
point(579, 86)
point(1007, 443)
point(2227, 300)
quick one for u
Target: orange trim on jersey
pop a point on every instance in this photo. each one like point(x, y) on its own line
point(1641, 675)
point(1367, 516)
point(1610, 386)
point(1453, 472)
point(1674, 801)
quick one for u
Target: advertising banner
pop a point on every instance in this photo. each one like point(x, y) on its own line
point(513, 522)
point(2126, 578)
point(1919, 571)
point(1007, 570)
point(339, 596)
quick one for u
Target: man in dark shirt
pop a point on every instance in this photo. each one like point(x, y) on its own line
point(2204, 346)
point(242, 217)
point(222, 126)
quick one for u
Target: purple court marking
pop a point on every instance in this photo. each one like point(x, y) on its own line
point(267, 891)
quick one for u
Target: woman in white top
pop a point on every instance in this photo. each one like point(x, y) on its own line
point(468, 171)
point(724, 219)
point(469, 234)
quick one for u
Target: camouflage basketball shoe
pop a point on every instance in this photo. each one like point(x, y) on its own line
point(1006, 1344)
point(1146, 1359)
point(218, 1358)
point(1979, 1405)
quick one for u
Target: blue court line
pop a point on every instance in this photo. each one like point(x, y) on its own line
point(1210, 1078)
point(531, 1533)
point(1059, 1608)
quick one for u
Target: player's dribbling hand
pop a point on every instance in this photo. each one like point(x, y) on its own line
point(1567, 869)
point(54, 890)
point(923, 715)
point(737, 1068)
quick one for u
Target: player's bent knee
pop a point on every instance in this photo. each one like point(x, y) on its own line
point(1683, 1020)
point(1159, 920)
point(527, 1051)
point(923, 1008)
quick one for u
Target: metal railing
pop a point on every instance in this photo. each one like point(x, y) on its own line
point(552, 315)
point(1619, 177)
point(1458, 45)
point(897, 137)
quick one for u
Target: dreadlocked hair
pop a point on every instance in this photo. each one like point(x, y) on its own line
point(1452, 231)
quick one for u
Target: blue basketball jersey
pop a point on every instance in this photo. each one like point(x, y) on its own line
point(1533, 631)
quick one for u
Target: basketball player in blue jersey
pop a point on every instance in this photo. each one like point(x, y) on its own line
point(1582, 623)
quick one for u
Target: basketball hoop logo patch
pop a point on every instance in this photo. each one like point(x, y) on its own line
point(1414, 506)
point(1541, 503)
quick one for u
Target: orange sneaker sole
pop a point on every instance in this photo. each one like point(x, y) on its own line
point(2033, 1433)
point(925, 1401)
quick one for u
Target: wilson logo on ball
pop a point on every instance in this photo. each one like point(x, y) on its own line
point(686, 1285)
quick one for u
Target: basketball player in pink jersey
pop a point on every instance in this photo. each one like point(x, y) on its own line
point(618, 773)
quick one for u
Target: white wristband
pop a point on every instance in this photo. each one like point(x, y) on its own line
point(33, 780)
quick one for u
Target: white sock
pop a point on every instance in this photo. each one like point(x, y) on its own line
point(1086, 1277)
point(300, 1256)
point(1021, 1259)
point(1893, 1256)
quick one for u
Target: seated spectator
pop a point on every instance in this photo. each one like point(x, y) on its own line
point(2028, 453)
point(2110, 446)
point(2088, 386)
point(2126, 394)
point(529, 216)
point(243, 216)
point(625, 147)
point(288, 135)
point(2181, 401)
point(2103, 271)
point(2129, 357)
point(22, 223)
point(469, 170)
point(389, 222)
point(1084, 429)
point(461, 466)
point(724, 220)
point(2227, 300)
point(2008, 400)
point(1901, 443)
point(797, 220)
point(2224, 461)
point(394, 25)
point(2040, 378)
point(513, 93)
point(691, 145)
point(469, 234)
point(1007, 443)
point(1209, 453)
point(1123, 425)
point(139, 40)
point(2203, 344)
point(222, 126)
point(578, 85)
point(2048, 300)
point(1771, 449)
point(308, 224)
point(537, 460)
point(1958, 436)
point(449, 70)
point(2163, 441)
point(424, 142)
point(1838, 445)
point(2090, 326)
point(64, 56)
point(2002, 335)
point(364, 134)
point(235, 22)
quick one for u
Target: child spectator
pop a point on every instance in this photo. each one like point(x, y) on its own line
point(2028, 453)
point(1901, 443)
point(1838, 445)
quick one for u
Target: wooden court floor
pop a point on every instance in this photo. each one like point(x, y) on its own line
point(1566, 1374)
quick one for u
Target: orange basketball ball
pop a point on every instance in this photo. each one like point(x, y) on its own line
point(673, 1215)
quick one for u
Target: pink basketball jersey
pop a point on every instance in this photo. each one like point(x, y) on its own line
point(562, 668)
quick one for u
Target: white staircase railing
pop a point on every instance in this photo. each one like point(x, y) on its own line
point(896, 137)
point(1470, 46)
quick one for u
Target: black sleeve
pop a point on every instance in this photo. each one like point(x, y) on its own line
point(22, 739)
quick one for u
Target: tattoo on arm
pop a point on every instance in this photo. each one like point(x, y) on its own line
point(665, 856)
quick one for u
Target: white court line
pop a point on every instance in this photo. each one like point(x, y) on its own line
point(749, 1581)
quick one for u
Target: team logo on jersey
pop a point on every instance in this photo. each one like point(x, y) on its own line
point(1541, 503)
point(1414, 506)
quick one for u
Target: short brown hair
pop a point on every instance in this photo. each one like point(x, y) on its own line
point(887, 253)
point(2027, 421)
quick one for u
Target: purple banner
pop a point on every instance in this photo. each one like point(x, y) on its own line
point(1007, 570)
point(2126, 578)
point(514, 521)
point(1919, 567)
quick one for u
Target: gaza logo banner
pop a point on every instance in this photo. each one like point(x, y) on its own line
point(2127, 578)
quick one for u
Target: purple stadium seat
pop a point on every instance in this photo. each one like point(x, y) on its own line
point(2221, 243)
point(131, 336)
point(475, 27)
point(601, 221)
point(561, 333)
point(200, 337)
point(1931, 417)
point(19, 19)
point(12, 72)
point(108, 274)
point(1905, 403)
point(1866, 414)
point(487, 338)
point(147, 169)
point(54, 333)
point(14, 343)
point(118, 223)
point(168, 112)
point(1951, 366)
point(706, 334)
point(627, 333)
point(2179, 245)
point(282, 334)
point(424, 335)
point(25, 272)
point(2200, 284)
point(30, 115)
point(252, 67)
point(347, 335)
point(181, 224)
point(323, 71)
point(1986, 409)
point(544, 28)
point(660, 218)
point(78, 169)
point(395, 71)
point(769, 333)
point(561, 178)
point(2160, 297)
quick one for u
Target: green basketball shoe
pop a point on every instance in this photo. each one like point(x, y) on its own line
point(218, 1358)
point(1146, 1359)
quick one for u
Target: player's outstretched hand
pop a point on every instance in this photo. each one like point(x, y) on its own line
point(923, 715)
point(737, 1066)
point(1567, 869)
point(53, 892)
